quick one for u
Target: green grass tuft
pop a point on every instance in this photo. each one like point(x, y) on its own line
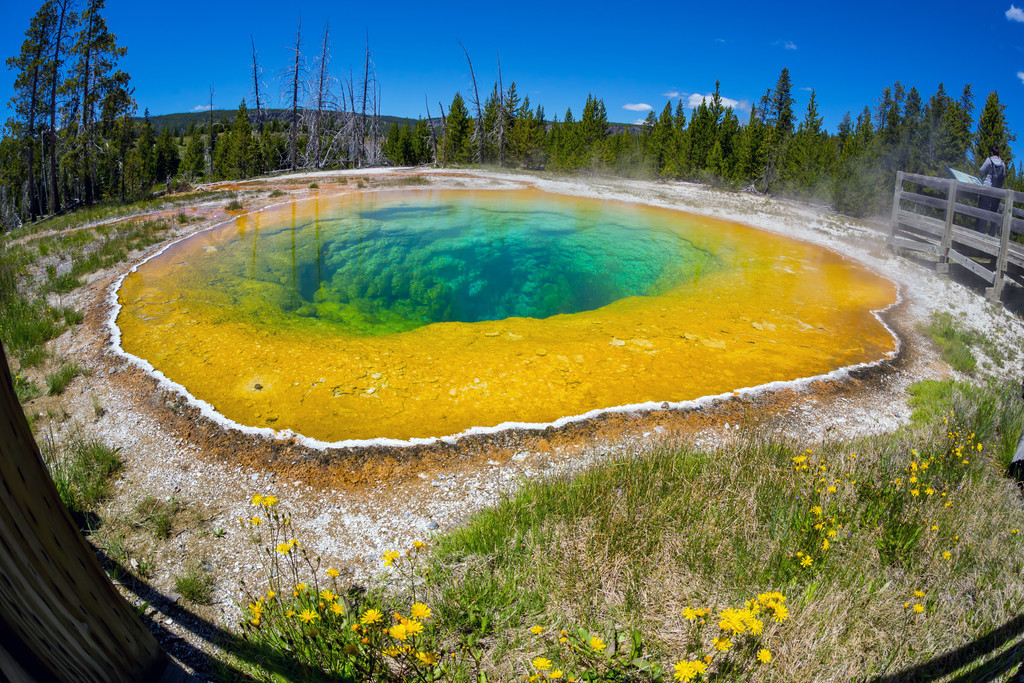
point(81, 470)
point(58, 381)
point(954, 341)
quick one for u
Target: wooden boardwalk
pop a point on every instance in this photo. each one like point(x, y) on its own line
point(941, 217)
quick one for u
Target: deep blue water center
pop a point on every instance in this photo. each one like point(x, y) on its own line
point(382, 266)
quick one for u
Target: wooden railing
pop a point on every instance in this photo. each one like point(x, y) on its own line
point(942, 217)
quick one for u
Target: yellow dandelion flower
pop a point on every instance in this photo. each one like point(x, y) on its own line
point(831, 533)
point(398, 632)
point(1014, 531)
point(946, 555)
point(255, 521)
point(557, 673)
point(935, 527)
point(332, 572)
point(929, 491)
point(919, 594)
point(824, 544)
point(722, 644)
point(596, 643)
point(308, 615)
point(806, 562)
point(689, 613)
point(257, 499)
point(289, 613)
point(327, 595)
point(764, 655)
point(371, 616)
point(284, 548)
point(800, 459)
point(542, 664)
point(831, 489)
point(338, 608)
point(419, 611)
point(269, 501)
point(915, 493)
point(684, 671)
point(389, 557)
point(537, 630)
point(816, 510)
point(427, 658)
point(413, 627)
point(918, 608)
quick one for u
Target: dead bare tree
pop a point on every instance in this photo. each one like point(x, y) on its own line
point(479, 127)
point(295, 74)
point(256, 73)
point(322, 99)
point(209, 139)
point(502, 118)
point(430, 127)
point(366, 83)
point(444, 138)
point(351, 124)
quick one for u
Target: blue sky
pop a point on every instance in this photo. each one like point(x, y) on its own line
point(632, 55)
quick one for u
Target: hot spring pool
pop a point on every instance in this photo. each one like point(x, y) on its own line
point(416, 314)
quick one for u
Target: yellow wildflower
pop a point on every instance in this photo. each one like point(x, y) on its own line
point(398, 632)
point(257, 499)
point(284, 548)
point(918, 608)
point(371, 616)
point(255, 521)
point(824, 544)
point(689, 613)
point(557, 673)
point(919, 594)
point(389, 557)
point(332, 572)
point(427, 658)
point(308, 615)
point(764, 655)
point(806, 561)
point(596, 643)
point(800, 459)
point(413, 627)
point(419, 611)
point(946, 555)
point(537, 630)
point(915, 493)
point(269, 501)
point(831, 489)
point(338, 608)
point(289, 613)
point(542, 664)
point(327, 595)
point(722, 644)
point(816, 510)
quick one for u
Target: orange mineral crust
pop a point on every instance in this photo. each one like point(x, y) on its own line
point(427, 313)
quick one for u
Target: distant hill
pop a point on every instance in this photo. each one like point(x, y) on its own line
point(181, 122)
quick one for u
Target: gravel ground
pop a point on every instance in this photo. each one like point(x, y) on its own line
point(352, 507)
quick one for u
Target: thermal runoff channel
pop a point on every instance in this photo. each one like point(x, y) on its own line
point(424, 313)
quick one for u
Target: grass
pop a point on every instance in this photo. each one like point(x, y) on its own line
point(26, 389)
point(234, 205)
point(58, 380)
point(159, 516)
point(276, 193)
point(873, 543)
point(82, 470)
point(954, 340)
point(195, 584)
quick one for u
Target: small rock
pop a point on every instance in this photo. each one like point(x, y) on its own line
point(433, 525)
point(616, 342)
point(258, 387)
point(111, 371)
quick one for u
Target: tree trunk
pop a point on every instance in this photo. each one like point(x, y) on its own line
point(55, 197)
point(293, 145)
point(256, 85)
point(476, 102)
point(60, 617)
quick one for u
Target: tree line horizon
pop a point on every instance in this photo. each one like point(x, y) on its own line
point(75, 139)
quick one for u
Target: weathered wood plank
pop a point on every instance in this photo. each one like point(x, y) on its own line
point(915, 245)
point(1004, 248)
point(932, 226)
point(925, 180)
point(975, 212)
point(60, 617)
point(924, 200)
point(971, 265)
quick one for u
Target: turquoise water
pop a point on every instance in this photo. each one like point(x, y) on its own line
point(380, 265)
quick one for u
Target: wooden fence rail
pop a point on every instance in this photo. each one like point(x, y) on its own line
point(942, 217)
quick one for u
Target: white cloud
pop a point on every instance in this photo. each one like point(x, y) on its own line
point(201, 107)
point(789, 45)
point(738, 105)
point(805, 88)
point(1020, 75)
point(639, 122)
point(719, 40)
point(671, 94)
point(640, 106)
point(1015, 14)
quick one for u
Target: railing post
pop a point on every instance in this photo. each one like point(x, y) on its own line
point(942, 266)
point(996, 290)
point(894, 219)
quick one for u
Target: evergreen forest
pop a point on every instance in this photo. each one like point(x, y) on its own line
point(75, 137)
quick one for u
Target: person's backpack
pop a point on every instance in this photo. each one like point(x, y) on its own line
point(998, 174)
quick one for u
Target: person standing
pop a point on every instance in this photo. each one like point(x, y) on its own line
point(993, 173)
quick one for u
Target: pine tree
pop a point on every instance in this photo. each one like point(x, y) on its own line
point(993, 131)
point(166, 159)
point(458, 132)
